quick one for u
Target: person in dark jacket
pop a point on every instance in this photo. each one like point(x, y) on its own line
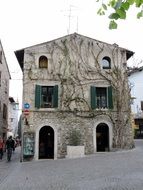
point(10, 143)
point(10, 147)
point(1, 147)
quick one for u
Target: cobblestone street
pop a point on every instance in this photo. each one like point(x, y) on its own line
point(122, 170)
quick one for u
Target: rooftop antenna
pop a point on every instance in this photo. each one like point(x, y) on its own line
point(69, 18)
point(77, 25)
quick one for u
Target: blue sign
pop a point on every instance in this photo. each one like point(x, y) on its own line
point(26, 106)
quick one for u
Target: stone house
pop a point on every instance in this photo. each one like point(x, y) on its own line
point(4, 93)
point(74, 82)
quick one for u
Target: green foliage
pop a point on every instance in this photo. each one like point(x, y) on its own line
point(125, 5)
point(114, 16)
point(121, 12)
point(140, 14)
point(112, 25)
point(120, 9)
point(75, 137)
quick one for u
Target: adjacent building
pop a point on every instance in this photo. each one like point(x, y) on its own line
point(74, 83)
point(135, 78)
point(13, 113)
point(4, 93)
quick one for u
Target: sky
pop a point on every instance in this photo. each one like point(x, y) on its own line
point(24, 23)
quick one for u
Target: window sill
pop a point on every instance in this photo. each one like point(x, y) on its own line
point(102, 109)
point(106, 68)
point(46, 109)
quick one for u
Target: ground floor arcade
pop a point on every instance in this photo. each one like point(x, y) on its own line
point(45, 141)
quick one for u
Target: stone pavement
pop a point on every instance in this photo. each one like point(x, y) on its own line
point(121, 170)
point(7, 167)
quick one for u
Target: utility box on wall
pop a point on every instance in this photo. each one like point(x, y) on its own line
point(28, 145)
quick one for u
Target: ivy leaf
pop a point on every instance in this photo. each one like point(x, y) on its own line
point(140, 14)
point(104, 6)
point(138, 3)
point(121, 12)
point(125, 5)
point(100, 12)
point(112, 3)
point(114, 16)
point(131, 2)
point(113, 25)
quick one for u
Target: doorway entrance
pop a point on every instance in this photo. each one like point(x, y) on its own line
point(46, 143)
point(102, 137)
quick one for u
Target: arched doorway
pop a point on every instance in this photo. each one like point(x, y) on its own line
point(46, 143)
point(102, 137)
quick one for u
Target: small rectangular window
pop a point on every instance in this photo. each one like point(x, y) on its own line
point(1, 57)
point(11, 119)
point(0, 78)
point(142, 105)
point(4, 111)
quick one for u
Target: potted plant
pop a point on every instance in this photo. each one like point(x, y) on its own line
point(75, 148)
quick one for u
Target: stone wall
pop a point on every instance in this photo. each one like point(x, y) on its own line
point(4, 92)
point(64, 122)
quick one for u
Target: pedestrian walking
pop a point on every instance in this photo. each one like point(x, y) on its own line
point(1, 147)
point(9, 147)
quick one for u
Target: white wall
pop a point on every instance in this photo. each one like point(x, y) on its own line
point(136, 80)
point(13, 114)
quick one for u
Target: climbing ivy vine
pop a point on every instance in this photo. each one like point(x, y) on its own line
point(118, 9)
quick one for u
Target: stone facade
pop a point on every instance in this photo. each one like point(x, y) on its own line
point(74, 83)
point(4, 93)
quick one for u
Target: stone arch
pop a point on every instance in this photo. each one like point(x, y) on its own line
point(43, 62)
point(46, 143)
point(106, 62)
point(102, 137)
point(37, 141)
point(99, 121)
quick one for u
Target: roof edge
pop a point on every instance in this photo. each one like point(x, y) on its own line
point(20, 53)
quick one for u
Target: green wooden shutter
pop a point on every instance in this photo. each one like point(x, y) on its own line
point(37, 96)
point(93, 97)
point(55, 97)
point(110, 98)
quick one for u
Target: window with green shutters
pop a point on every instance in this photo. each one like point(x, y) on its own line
point(46, 96)
point(93, 97)
point(101, 97)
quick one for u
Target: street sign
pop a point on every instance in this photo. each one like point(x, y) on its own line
point(26, 106)
point(26, 112)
